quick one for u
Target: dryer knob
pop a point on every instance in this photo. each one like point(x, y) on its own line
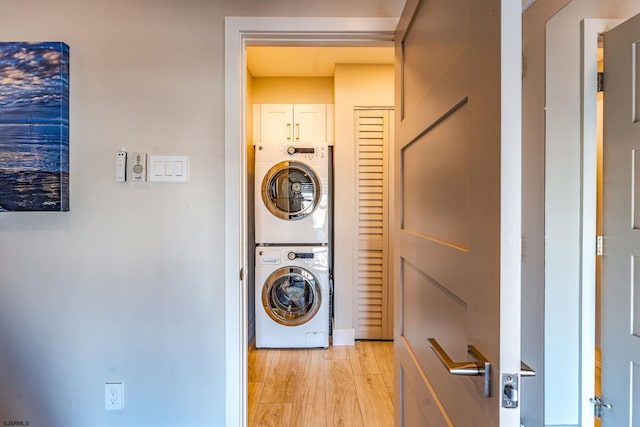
point(291, 150)
point(291, 255)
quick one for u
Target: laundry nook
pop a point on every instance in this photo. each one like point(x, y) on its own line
point(318, 159)
point(319, 129)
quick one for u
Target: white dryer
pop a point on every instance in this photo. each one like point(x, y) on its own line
point(292, 297)
point(291, 194)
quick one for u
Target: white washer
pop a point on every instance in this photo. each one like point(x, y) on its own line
point(291, 194)
point(292, 296)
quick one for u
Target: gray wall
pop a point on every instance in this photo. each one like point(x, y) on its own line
point(128, 285)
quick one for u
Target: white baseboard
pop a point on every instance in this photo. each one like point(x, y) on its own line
point(344, 336)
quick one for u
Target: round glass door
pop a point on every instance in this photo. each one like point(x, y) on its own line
point(291, 190)
point(291, 296)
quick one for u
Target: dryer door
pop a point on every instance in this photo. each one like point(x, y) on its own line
point(291, 190)
point(291, 296)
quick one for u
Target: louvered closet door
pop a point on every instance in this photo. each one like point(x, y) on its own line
point(373, 298)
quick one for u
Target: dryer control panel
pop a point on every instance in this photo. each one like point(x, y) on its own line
point(299, 255)
point(291, 150)
point(310, 153)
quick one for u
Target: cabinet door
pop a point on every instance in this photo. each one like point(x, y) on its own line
point(276, 121)
point(310, 123)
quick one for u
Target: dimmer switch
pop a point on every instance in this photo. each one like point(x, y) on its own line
point(139, 167)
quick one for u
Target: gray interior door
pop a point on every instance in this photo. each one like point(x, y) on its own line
point(621, 226)
point(456, 236)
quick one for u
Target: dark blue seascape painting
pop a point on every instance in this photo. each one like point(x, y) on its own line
point(34, 126)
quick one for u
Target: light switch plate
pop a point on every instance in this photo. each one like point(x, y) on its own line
point(169, 168)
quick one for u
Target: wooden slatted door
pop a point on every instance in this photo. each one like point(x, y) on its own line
point(373, 296)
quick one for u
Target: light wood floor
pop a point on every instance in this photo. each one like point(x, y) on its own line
point(340, 386)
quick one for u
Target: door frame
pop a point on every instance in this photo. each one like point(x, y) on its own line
point(585, 239)
point(241, 32)
point(591, 30)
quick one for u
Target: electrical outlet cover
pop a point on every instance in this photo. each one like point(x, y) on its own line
point(113, 396)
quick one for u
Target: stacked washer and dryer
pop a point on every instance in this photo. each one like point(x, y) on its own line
point(292, 234)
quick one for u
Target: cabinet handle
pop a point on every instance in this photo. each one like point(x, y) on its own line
point(297, 131)
point(289, 131)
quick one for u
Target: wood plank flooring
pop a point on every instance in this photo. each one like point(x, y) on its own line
point(339, 386)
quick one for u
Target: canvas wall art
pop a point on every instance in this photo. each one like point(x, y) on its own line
point(34, 126)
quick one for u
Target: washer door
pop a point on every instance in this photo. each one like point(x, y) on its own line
point(291, 190)
point(291, 296)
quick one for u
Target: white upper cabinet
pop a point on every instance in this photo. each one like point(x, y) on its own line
point(294, 123)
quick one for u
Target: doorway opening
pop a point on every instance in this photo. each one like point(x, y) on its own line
point(239, 34)
point(599, 230)
point(572, 297)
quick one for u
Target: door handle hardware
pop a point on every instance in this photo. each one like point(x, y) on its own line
point(509, 389)
point(526, 370)
point(289, 131)
point(598, 404)
point(480, 368)
point(297, 131)
point(510, 385)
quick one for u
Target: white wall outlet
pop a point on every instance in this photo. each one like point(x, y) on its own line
point(139, 167)
point(113, 396)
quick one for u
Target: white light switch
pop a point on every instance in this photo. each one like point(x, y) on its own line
point(158, 168)
point(169, 168)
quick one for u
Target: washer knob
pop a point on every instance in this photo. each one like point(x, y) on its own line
point(291, 150)
point(291, 255)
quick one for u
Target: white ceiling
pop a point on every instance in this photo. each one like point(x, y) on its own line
point(311, 61)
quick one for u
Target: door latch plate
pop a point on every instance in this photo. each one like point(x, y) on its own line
point(509, 386)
